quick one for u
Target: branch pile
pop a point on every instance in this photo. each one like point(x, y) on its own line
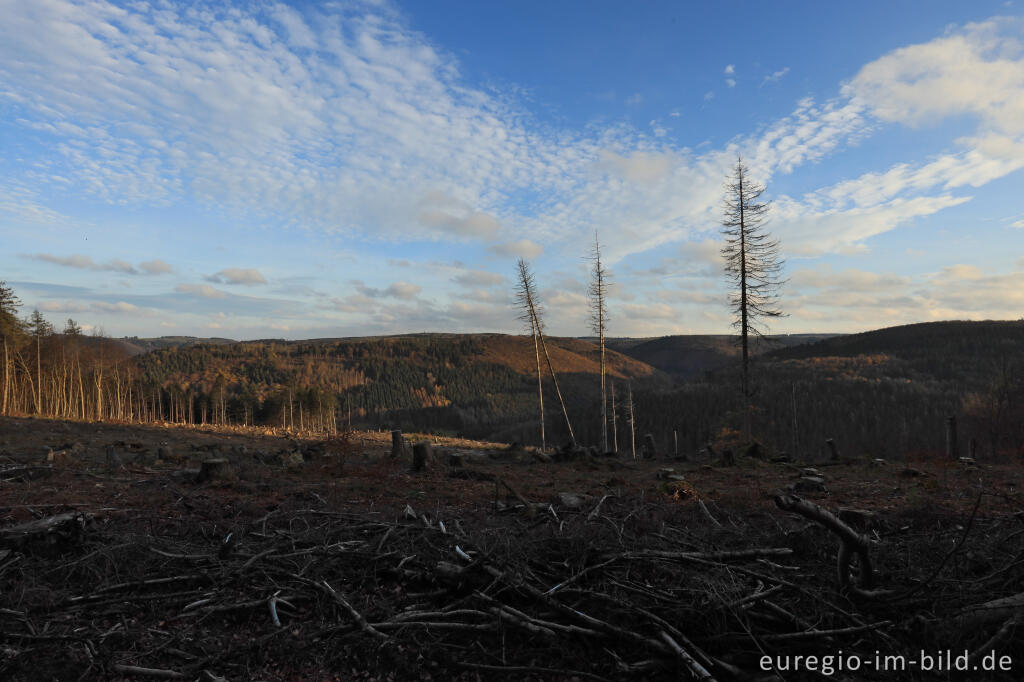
point(623, 589)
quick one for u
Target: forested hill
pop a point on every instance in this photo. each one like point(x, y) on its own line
point(960, 350)
point(480, 384)
point(133, 345)
point(689, 356)
point(885, 393)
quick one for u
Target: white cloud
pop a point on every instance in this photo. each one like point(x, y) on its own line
point(805, 231)
point(731, 82)
point(976, 70)
point(118, 307)
point(400, 290)
point(523, 248)
point(244, 276)
point(634, 100)
point(84, 263)
point(204, 290)
point(730, 69)
point(156, 267)
point(775, 76)
point(478, 278)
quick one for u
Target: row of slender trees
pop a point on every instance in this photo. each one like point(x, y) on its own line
point(73, 375)
point(62, 374)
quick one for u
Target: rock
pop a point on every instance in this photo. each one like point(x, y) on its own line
point(569, 500)
point(910, 472)
point(967, 461)
point(810, 471)
point(678, 478)
point(165, 453)
point(455, 459)
point(663, 474)
point(878, 462)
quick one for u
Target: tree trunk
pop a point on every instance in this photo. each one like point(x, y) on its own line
point(615, 422)
point(540, 387)
point(632, 425)
point(558, 391)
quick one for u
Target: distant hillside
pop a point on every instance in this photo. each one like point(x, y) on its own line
point(689, 356)
point(954, 350)
point(884, 392)
point(482, 385)
point(133, 345)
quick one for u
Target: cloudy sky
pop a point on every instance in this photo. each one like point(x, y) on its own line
point(318, 169)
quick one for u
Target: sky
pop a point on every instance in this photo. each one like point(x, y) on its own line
point(320, 169)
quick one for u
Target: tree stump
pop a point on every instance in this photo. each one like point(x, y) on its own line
point(397, 444)
point(649, 451)
point(420, 455)
point(218, 469)
point(833, 449)
point(952, 444)
point(113, 460)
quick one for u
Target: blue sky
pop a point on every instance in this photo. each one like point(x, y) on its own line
point(346, 168)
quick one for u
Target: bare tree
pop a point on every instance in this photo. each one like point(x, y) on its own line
point(598, 316)
point(632, 422)
point(526, 298)
point(752, 266)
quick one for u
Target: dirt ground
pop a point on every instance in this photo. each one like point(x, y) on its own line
point(97, 602)
point(366, 476)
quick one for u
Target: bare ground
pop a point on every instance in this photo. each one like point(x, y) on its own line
point(331, 560)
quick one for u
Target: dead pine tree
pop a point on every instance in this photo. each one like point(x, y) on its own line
point(532, 313)
point(752, 266)
point(598, 292)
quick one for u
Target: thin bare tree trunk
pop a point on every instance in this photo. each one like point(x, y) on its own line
point(632, 424)
point(540, 388)
point(7, 375)
point(615, 421)
point(558, 392)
